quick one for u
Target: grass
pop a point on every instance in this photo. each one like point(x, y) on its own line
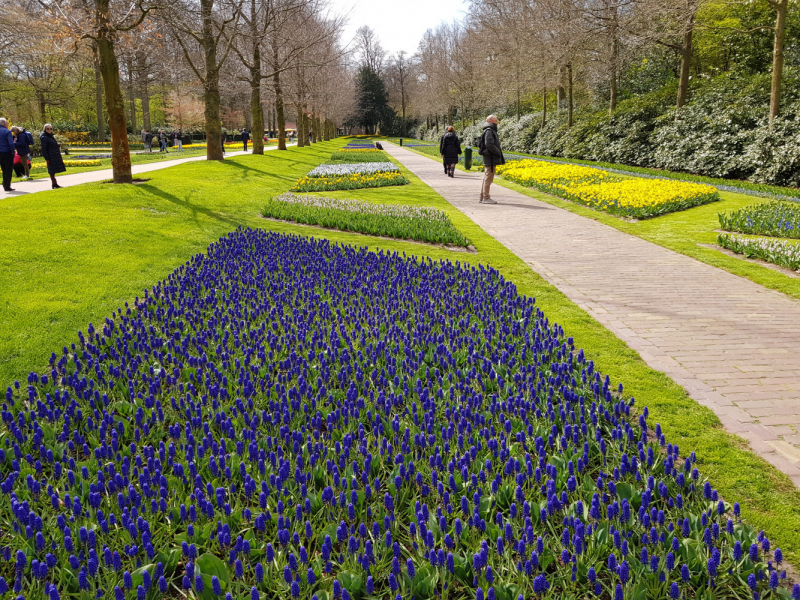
point(105, 163)
point(74, 256)
point(688, 232)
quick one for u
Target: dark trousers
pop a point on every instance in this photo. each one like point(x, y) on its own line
point(7, 165)
point(245, 145)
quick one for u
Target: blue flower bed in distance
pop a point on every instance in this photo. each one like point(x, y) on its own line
point(285, 417)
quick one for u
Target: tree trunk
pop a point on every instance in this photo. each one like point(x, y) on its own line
point(257, 129)
point(782, 7)
point(403, 106)
point(42, 106)
point(560, 92)
point(569, 96)
point(280, 117)
point(544, 107)
point(115, 101)
point(686, 63)
point(131, 96)
point(98, 96)
point(614, 62)
point(211, 85)
point(144, 92)
point(300, 126)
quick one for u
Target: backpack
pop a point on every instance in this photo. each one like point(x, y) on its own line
point(482, 144)
point(30, 138)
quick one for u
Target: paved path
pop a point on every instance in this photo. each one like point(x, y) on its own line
point(732, 344)
point(42, 184)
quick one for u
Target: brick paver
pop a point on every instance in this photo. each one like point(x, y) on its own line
point(732, 344)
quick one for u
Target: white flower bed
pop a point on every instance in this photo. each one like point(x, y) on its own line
point(354, 169)
point(405, 211)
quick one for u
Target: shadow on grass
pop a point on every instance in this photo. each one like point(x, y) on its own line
point(194, 209)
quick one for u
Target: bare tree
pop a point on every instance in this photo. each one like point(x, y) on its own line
point(104, 22)
point(211, 25)
point(400, 77)
point(370, 52)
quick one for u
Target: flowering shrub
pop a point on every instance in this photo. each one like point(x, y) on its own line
point(779, 219)
point(401, 221)
point(284, 417)
point(632, 197)
point(353, 169)
point(351, 181)
point(779, 252)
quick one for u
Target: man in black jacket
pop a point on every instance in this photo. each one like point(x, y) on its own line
point(492, 157)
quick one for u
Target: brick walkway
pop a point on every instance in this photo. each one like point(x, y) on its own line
point(732, 344)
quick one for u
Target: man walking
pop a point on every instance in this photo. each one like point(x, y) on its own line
point(492, 154)
point(6, 154)
point(245, 138)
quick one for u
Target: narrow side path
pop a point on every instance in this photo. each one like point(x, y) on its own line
point(23, 188)
point(731, 343)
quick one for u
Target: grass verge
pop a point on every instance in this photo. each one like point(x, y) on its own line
point(71, 258)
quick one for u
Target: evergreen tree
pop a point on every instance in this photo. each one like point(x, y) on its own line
point(372, 105)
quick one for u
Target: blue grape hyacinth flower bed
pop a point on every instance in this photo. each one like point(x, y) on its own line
point(285, 417)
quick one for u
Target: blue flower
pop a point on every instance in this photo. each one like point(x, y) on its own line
point(674, 591)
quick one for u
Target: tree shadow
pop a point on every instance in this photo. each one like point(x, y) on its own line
point(528, 206)
point(249, 171)
point(187, 205)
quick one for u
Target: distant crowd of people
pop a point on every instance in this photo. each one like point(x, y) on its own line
point(15, 153)
point(161, 137)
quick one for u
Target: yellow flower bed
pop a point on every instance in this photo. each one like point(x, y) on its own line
point(538, 172)
point(632, 197)
point(68, 163)
point(348, 182)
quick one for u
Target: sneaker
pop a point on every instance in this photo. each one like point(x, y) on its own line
point(489, 201)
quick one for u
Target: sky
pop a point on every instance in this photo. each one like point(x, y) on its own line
point(399, 24)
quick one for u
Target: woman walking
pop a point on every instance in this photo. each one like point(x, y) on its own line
point(51, 152)
point(450, 149)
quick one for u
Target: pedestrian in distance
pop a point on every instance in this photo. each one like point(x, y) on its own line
point(162, 138)
point(177, 140)
point(6, 154)
point(148, 140)
point(224, 137)
point(245, 138)
point(489, 148)
point(441, 141)
point(450, 150)
point(23, 142)
point(51, 152)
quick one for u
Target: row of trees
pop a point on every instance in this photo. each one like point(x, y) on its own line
point(545, 54)
point(112, 60)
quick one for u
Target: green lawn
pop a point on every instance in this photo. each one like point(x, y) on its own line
point(71, 257)
point(688, 232)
